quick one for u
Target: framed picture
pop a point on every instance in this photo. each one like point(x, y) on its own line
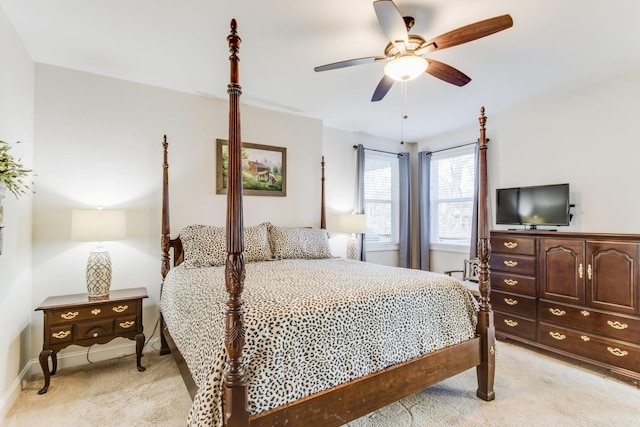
point(264, 169)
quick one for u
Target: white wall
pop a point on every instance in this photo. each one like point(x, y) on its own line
point(586, 138)
point(16, 124)
point(99, 142)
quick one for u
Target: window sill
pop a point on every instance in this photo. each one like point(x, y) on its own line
point(382, 247)
point(442, 247)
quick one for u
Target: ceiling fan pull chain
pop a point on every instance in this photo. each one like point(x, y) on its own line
point(403, 106)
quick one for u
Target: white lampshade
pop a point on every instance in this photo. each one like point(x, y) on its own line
point(406, 67)
point(98, 225)
point(352, 223)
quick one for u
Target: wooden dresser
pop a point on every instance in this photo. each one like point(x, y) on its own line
point(576, 294)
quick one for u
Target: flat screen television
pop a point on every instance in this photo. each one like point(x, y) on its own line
point(546, 205)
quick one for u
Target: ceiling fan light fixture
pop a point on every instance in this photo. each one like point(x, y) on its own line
point(406, 67)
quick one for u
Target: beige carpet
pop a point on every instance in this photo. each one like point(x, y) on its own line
point(532, 390)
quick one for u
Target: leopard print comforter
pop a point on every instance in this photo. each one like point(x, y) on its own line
point(310, 325)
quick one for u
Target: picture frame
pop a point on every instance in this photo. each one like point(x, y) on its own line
point(264, 169)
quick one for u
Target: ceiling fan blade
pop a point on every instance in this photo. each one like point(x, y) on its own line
point(382, 88)
point(392, 22)
point(349, 63)
point(447, 73)
point(469, 33)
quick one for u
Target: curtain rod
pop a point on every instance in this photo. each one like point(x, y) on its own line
point(454, 147)
point(355, 147)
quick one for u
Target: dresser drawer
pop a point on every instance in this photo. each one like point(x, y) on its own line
point(517, 264)
point(92, 312)
point(514, 304)
point(515, 326)
point(617, 353)
point(591, 321)
point(513, 245)
point(513, 283)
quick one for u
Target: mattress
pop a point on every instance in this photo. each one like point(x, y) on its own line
point(310, 325)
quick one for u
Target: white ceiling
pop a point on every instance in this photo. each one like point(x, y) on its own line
point(181, 45)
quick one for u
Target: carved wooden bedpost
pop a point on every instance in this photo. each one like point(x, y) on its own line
point(485, 327)
point(323, 216)
point(165, 238)
point(234, 378)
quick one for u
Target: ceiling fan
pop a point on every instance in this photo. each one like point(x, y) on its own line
point(404, 51)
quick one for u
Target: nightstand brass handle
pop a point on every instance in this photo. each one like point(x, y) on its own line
point(61, 334)
point(510, 322)
point(510, 282)
point(95, 311)
point(70, 315)
point(585, 338)
point(128, 324)
point(95, 334)
point(509, 263)
point(120, 308)
point(511, 301)
point(510, 245)
point(617, 352)
point(617, 325)
point(557, 312)
point(585, 313)
point(558, 336)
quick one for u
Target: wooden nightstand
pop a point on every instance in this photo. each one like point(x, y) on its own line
point(74, 319)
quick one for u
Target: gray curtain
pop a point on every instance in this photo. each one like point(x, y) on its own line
point(424, 173)
point(359, 202)
point(473, 250)
point(404, 170)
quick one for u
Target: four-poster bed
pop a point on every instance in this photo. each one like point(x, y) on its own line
point(295, 323)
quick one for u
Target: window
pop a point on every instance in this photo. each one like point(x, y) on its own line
point(382, 197)
point(451, 196)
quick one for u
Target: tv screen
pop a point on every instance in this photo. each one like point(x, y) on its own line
point(536, 205)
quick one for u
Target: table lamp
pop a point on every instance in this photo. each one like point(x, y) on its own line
point(98, 225)
point(353, 224)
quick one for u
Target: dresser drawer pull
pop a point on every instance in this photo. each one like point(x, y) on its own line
point(580, 270)
point(510, 322)
point(585, 313)
point(510, 263)
point(585, 338)
point(95, 311)
point(557, 312)
point(120, 308)
point(617, 325)
point(95, 334)
point(557, 336)
point(511, 301)
point(127, 324)
point(510, 245)
point(510, 282)
point(70, 315)
point(617, 352)
point(589, 271)
point(62, 334)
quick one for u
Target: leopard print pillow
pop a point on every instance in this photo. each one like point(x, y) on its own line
point(206, 246)
point(299, 243)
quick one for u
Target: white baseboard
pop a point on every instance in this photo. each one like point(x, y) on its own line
point(66, 359)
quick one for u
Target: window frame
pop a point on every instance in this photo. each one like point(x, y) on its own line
point(394, 201)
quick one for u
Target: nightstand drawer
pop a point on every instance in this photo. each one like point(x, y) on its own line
point(87, 330)
point(61, 334)
point(96, 311)
point(127, 324)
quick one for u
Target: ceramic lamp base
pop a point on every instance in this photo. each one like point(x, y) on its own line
point(353, 250)
point(98, 274)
